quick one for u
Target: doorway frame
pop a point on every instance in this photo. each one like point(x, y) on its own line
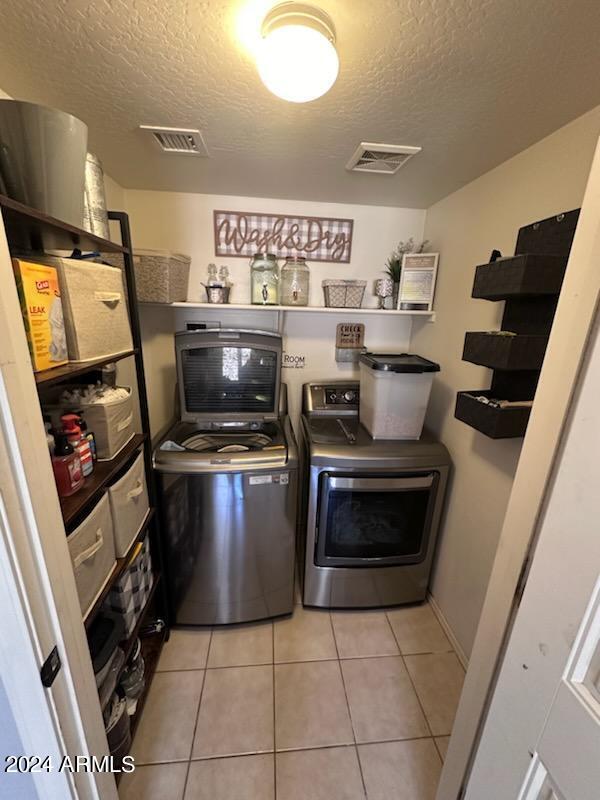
point(574, 321)
point(36, 542)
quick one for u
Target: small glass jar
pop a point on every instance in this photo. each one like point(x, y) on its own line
point(264, 280)
point(295, 281)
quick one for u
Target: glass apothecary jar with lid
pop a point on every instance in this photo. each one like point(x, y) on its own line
point(264, 280)
point(295, 281)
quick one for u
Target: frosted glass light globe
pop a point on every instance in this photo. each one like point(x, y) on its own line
point(297, 63)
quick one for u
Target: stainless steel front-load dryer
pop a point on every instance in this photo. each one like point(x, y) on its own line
point(369, 509)
point(227, 480)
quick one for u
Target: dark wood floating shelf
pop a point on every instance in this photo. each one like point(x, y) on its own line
point(523, 351)
point(497, 423)
point(118, 570)
point(530, 283)
point(93, 487)
point(525, 275)
point(31, 230)
point(48, 377)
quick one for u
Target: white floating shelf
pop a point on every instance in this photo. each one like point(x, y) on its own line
point(295, 309)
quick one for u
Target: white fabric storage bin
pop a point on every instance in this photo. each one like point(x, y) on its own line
point(129, 505)
point(394, 394)
point(161, 276)
point(95, 309)
point(92, 550)
point(112, 424)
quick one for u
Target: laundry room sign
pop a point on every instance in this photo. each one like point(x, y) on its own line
point(293, 361)
point(242, 234)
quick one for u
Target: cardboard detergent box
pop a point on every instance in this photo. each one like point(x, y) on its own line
point(39, 294)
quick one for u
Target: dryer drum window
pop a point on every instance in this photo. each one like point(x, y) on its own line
point(375, 520)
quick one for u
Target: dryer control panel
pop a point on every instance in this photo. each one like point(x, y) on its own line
point(333, 398)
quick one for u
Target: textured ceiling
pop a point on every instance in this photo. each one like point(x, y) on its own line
point(471, 81)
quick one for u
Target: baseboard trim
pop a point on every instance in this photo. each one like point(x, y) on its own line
point(460, 653)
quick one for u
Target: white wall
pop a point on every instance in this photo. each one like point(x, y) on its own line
point(115, 194)
point(543, 180)
point(184, 223)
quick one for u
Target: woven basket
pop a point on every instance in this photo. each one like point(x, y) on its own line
point(343, 293)
point(161, 276)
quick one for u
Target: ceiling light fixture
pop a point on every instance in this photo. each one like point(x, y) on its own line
point(297, 59)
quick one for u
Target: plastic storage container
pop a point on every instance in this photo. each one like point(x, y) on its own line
point(343, 293)
point(109, 684)
point(103, 637)
point(133, 679)
point(129, 505)
point(129, 594)
point(161, 276)
point(118, 732)
point(394, 393)
point(95, 309)
point(92, 550)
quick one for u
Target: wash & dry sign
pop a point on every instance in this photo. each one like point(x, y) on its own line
point(242, 234)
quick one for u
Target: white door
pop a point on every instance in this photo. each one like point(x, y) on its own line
point(566, 763)
point(541, 739)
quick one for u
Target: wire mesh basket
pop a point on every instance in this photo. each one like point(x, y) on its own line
point(343, 293)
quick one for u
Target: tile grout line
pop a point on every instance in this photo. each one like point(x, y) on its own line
point(435, 744)
point(414, 688)
point(189, 766)
point(250, 753)
point(432, 653)
point(314, 660)
point(339, 661)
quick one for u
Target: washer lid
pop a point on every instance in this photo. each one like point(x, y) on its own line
point(190, 448)
point(228, 374)
point(398, 362)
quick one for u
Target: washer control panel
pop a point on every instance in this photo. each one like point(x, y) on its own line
point(333, 398)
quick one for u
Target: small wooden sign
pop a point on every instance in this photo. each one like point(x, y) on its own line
point(242, 234)
point(350, 335)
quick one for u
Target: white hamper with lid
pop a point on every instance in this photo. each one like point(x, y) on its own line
point(95, 309)
point(129, 505)
point(92, 550)
point(394, 394)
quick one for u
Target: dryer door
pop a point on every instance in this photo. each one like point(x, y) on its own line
point(374, 520)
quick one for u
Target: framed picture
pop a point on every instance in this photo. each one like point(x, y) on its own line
point(417, 281)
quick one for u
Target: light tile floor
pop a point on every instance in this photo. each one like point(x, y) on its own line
point(354, 705)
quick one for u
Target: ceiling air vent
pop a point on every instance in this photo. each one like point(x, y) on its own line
point(181, 141)
point(385, 159)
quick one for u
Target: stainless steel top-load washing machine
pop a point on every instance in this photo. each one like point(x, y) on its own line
point(227, 477)
point(369, 509)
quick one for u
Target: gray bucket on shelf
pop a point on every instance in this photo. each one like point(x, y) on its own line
point(42, 159)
